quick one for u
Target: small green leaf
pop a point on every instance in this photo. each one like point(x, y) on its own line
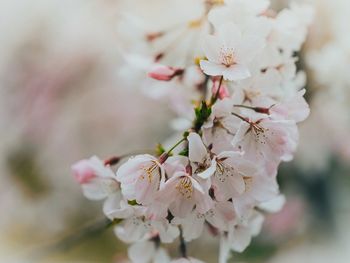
point(202, 114)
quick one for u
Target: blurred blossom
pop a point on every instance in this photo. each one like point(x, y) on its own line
point(60, 100)
point(327, 56)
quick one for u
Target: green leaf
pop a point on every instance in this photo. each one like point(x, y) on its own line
point(202, 112)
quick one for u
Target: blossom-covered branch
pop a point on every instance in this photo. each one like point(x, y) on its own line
point(247, 98)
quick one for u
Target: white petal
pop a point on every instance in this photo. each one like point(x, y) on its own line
point(141, 252)
point(274, 205)
point(197, 152)
point(240, 239)
point(210, 171)
point(211, 48)
point(248, 49)
point(236, 72)
point(230, 34)
point(224, 252)
point(243, 128)
point(211, 68)
point(161, 256)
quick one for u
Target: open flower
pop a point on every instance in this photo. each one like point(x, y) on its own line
point(228, 170)
point(138, 226)
point(267, 141)
point(240, 235)
point(219, 216)
point(182, 193)
point(229, 53)
point(231, 173)
point(140, 178)
point(219, 129)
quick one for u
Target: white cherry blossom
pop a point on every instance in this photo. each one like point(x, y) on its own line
point(268, 141)
point(230, 52)
point(220, 216)
point(239, 236)
point(140, 178)
point(182, 193)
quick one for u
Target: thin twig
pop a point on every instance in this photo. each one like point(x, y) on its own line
point(183, 247)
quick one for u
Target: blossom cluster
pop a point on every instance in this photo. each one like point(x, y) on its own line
point(221, 175)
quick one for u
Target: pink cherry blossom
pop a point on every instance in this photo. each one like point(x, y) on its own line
point(182, 193)
point(229, 53)
point(266, 140)
point(140, 178)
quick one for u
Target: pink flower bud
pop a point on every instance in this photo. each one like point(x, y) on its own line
point(83, 172)
point(223, 92)
point(164, 73)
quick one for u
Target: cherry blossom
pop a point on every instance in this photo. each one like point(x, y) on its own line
point(182, 193)
point(140, 178)
point(229, 53)
point(239, 236)
point(266, 140)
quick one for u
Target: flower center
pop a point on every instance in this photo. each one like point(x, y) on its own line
point(223, 171)
point(184, 187)
point(259, 132)
point(248, 181)
point(150, 171)
point(227, 56)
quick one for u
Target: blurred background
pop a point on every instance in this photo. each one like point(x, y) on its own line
point(67, 92)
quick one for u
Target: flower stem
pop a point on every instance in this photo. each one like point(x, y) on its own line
point(183, 247)
point(177, 144)
point(214, 98)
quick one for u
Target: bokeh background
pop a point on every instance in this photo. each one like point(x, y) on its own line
point(66, 93)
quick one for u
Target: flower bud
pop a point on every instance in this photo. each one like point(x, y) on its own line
point(164, 73)
point(223, 92)
point(83, 172)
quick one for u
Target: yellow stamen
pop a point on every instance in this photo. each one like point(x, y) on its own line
point(185, 187)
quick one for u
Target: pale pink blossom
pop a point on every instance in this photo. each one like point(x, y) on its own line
point(140, 178)
point(229, 53)
point(220, 216)
point(267, 141)
point(240, 235)
point(230, 177)
point(182, 193)
point(139, 227)
point(259, 188)
point(294, 108)
point(219, 129)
